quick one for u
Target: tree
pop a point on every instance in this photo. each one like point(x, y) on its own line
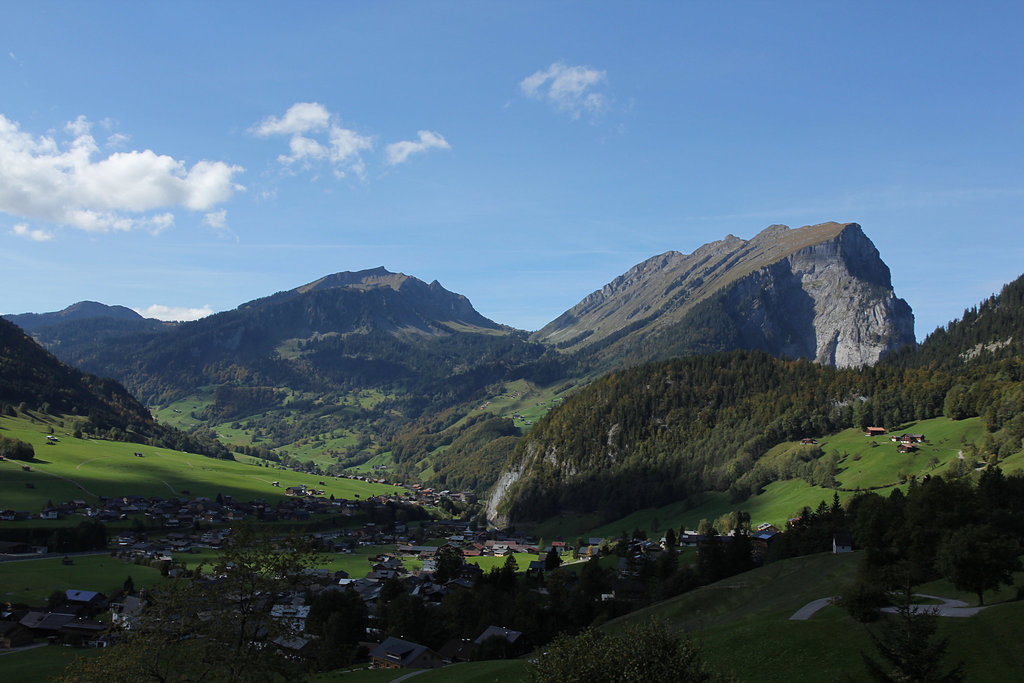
point(978, 558)
point(552, 560)
point(449, 562)
point(647, 653)
point(16, 449)
point(219, 626)
point(340, 619)
point(906, 641)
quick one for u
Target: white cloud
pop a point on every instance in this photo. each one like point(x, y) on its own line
point(315, 135)
point(64, 183)
point(301, 117)
point(118, 141)
point(182, 313)
point(218, 220)
point(398, 152)
point(22, 230)
point(571, 89)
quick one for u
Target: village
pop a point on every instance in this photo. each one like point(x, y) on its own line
point(404, 548)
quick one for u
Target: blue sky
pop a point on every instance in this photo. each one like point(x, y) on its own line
point(186, 157)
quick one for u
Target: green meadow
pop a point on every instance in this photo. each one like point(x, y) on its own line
point(85, 469)
point(32, 581)
point(742, 624)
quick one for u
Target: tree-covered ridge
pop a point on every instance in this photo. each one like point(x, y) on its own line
point(32, 378)
point(990, 331)
point(660, 432)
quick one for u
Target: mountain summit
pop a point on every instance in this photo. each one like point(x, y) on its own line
point(819, 292)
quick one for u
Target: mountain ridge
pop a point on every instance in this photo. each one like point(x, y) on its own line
point(742, 278)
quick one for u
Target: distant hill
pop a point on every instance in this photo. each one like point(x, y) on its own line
point(820, 292)
point(83, 310)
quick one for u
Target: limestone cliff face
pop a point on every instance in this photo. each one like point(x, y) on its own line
point(820, 292)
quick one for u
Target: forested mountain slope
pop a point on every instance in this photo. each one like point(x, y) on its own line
point(665, 431)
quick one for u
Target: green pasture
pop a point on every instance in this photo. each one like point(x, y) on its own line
point(522, 397)
point(32, 581)
point(873, 461)
point(742, 624)
point(179, 413)
point(87, 468)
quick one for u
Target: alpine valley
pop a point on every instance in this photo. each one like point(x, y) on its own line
point(671, 383)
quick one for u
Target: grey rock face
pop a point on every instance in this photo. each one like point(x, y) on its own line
point(820, 292)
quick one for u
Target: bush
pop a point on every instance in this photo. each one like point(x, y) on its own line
point(647, 653)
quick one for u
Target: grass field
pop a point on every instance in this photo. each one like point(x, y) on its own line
point(32, 581)
point(87, 468)
point(39, 664)
point(743, 626)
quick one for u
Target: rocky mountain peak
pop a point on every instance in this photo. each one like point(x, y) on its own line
point(819, 291)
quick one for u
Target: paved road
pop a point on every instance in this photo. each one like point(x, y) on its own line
point(49, 556)
point(948, 608)
point(810, 608)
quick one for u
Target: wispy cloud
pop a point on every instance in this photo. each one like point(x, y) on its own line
point(65, 183)
point(573, 90)
point(22, 230)
point(399, 152)
point(315, 135)
point(181, 313)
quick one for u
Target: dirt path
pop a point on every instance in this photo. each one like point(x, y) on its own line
point(86, 462)
point(70, 481)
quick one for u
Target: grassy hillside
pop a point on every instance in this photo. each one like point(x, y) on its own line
point(743, 625)
point(864, 462)
point(87, 468)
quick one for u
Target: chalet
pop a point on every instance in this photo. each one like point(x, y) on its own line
point(874, 431)
point(760, 542)
point(457, 650)
point(395, 653)
point(809, 442)
point(13, 634)
point(842, 542)
point(79, 598)
point(81, 632)
point(906, 448)
point(14, 548)
point(515, 643)
point(45, 623)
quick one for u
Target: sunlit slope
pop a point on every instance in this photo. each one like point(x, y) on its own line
point(86, 469)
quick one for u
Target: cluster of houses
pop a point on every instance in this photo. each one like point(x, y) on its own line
point(70, 622)
point(905, 443)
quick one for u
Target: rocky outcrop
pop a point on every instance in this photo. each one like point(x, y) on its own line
point(820, 292)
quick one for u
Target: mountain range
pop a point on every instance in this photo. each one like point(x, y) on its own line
point(295, 367)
